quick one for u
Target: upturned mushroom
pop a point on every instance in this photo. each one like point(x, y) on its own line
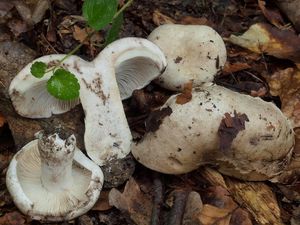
point(50, 179)
point(195, 53)
point(122, 67)
point(243, 136)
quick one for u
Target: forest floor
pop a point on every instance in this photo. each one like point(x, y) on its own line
point(154, 198)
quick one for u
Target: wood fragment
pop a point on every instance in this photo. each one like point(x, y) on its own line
point(176, 214)
point(157, 200)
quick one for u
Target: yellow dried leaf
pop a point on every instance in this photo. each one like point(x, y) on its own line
point(160, 19)
point(264, 38)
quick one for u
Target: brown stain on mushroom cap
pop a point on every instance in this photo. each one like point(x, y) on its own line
point(96, 87)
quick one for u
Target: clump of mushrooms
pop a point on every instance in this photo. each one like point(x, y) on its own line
point(50, 179)
point(244, 137)
point(195, 53)
point(123, 66)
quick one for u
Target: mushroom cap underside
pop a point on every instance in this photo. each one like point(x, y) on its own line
point(24, 184)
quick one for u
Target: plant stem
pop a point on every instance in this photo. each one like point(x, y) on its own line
point(127, 4)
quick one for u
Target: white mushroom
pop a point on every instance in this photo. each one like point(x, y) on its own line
point(243, 136)
point(123, 66)
point(50, 179)
point(194, 53)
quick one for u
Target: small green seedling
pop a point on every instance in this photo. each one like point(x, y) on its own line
point(98, 13)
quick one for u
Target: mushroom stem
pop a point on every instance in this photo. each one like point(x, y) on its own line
point(56, 161)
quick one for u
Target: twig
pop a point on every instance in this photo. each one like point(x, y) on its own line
point(177, 211)
point(157, 201)
point(127, 4)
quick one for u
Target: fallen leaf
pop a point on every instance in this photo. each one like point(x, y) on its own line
point(160, 19)
point(18, 27)
point(80, 34)
point(5, 7)
point(155, 118)
point(2, 120)
point(189, 20)
point(133, 201)
point(286, 84)
point(234, 67)
point(103, 203)
point(264, 38)
point(272, 14)
point(12, 218)
point(291, 9)
point(192, 209)
point(186, 94)
point(229, 128)
point(211, 215)
point(258, 198)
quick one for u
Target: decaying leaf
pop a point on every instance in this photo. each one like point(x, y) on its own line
point(133, 201)
point(291, 9)
point(155, 118)
point(103, 203)
point(160, 19)
point(186, 94)
point(273, 15)
point(234, 67)
point(229, 128)
point(12, 218)
point(2, 120)
point(80, 34)
point(286, 84)
point(258, 198)
point(192, 209)
point(221, 209)
point(264, 38)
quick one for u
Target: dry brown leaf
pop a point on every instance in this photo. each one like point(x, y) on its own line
point(211, 215)
point(189, 20)
point(103, 203)
point(258, 198)
point(5, 7)
point(286, 84)
point(291, 9)
point(186, 94)
point(192, 209)
point(234, 67)
point(133, 201)
point(160, 19)
point(12, 218)
point(264, 38)
point(2, 120)
point(80, 34)
point(273, 15)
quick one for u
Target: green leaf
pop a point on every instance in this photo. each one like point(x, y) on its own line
point(99, 13)
point(38, 69)
point(63, 85)
point(113, 33)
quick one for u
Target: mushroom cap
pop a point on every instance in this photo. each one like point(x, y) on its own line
point(135, 63)
point(29, 94)
point(194, 53)
point(23, 181)
point(188, 137)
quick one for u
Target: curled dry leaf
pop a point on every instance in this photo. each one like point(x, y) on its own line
point(133, 201)
point(222, 210)
point(264, 38)
point(103, 203)
point(272, 14)
point(186, 94)
point(286, 84)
